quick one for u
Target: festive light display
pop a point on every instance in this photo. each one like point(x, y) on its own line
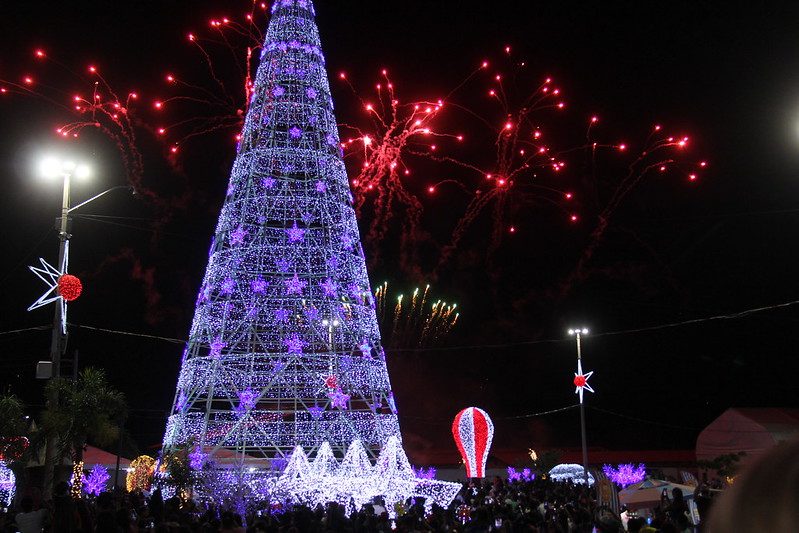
point(351, 480)
point(284, 350)
point(570, 472)
point(7, 485)
point(97, 480)
point(52, 277)
point(581, 380)
point(140, 473)
point(626, 473)
point(524, 475)
point(12, 448)
point(76, 480)
point(69, 287)
point(473, 431)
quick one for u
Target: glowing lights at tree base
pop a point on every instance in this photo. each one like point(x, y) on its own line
point(570, 472)
point(352, 480)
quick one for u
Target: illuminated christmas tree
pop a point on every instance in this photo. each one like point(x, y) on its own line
point(284, 349)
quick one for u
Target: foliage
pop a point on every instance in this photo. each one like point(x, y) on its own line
point(179, 470)
point(88, 409)
point(13, 428)
point(548, 460)
point(725, 465)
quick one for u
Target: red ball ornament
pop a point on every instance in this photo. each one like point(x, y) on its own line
point(69, 287)
point(331, 382)
point(579, 381)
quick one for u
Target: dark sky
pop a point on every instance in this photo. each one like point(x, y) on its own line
point(677, 252)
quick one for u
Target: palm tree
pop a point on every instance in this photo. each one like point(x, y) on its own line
point(88, 409)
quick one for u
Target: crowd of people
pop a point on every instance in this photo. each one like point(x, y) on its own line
point(762, 500)
point(537, 506)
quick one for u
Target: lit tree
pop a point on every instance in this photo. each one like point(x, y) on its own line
point(284, 354)
point(140, 476)
point(284, 349)
point(97, 480)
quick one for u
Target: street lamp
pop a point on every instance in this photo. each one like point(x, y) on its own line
point(581, 382)
point(66, 169)
point(55, 277)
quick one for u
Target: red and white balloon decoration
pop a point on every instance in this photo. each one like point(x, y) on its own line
point(473, 431)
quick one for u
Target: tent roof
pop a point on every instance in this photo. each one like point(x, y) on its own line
point(93, 456)
point(750, 430)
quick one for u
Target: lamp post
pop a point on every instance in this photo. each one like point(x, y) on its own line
point(66, 170)
point(581, 382)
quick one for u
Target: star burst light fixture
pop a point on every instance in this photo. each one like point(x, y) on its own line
point(580, 378)
point(61, 287)
point(581, 381)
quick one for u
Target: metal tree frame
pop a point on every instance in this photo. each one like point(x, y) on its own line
point(284, 349)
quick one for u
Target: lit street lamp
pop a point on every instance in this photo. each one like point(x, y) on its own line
point(581, 382)
point(62, 287)
point(56, 277)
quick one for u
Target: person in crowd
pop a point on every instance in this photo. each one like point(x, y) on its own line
point(29, 520)
point(764, 497)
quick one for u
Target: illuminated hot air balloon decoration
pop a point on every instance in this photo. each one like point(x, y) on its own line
point(473, 431)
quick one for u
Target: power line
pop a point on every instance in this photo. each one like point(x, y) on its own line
point(730, 316)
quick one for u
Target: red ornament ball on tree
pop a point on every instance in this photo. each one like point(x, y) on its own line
point(69, 287)
point(579, 381)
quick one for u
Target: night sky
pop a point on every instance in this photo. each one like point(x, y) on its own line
point(665, 294)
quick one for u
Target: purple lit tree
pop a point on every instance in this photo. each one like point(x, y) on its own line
point(284, 349)
point(625, 474)
point(97, 480)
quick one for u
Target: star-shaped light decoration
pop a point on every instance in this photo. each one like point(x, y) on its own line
point(294, 344)
point(295, 233)
point(329, 286)
point(295, 132)
point(346, 241)
point(51, 276)
point(316, 412)
point(281, 315)
point(320, 186)
point(247, 399)
point(366, 349)
point(278, 366)
point(197, 458)
point(339, 398)
point(581, 380)
point(295, 285)
point(237, 236)
point(268, 182)
point(216, 347)
point(259, 285)
point(227, 285)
